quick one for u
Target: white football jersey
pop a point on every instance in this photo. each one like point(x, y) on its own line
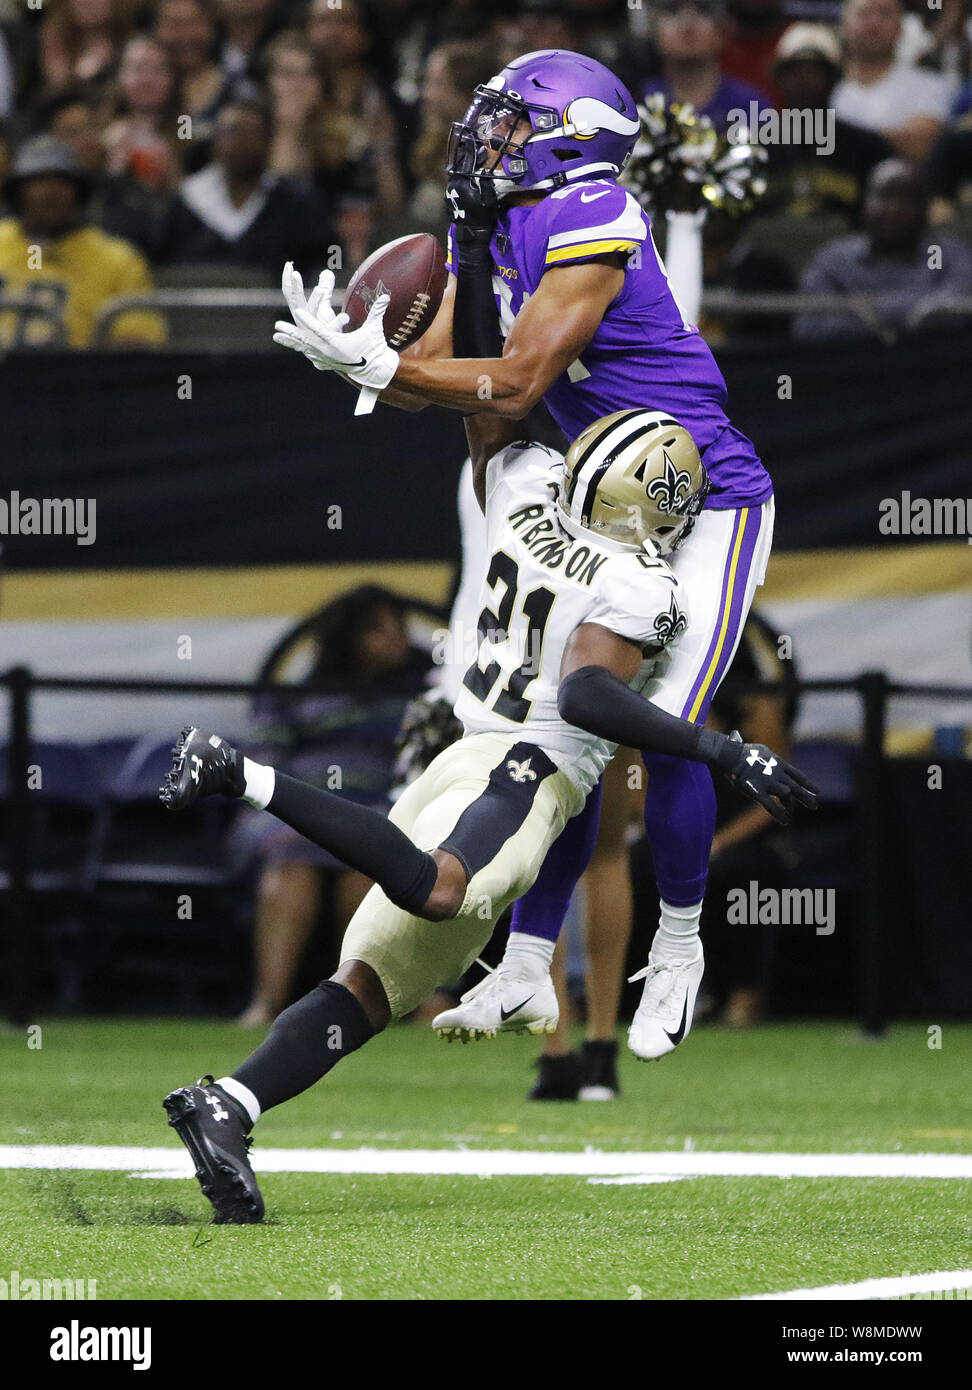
point(541, 583)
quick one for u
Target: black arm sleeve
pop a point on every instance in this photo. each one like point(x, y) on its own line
point(593, 699)
point(475, 320)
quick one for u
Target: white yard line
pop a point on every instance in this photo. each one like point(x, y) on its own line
point(171, 1162)
point(876, 1288)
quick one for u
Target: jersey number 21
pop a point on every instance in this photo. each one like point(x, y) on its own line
point(494, 628)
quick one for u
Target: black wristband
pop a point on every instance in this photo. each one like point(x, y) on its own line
point(716, 749)
point(472, 244)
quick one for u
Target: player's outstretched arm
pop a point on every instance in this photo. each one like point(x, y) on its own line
point(549, 334)
point(595, 695)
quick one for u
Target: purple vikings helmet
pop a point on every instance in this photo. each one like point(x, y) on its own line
point(583, 119)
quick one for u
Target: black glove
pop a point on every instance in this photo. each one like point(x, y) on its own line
point(757, 773)
point(474, 207)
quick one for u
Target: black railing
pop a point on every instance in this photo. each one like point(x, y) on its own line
point(873, 689)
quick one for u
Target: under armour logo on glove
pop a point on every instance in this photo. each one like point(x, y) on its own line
point(473, 207)
point(195, 764)
point(767, 764)
point(219, 1113)
point(784, 788)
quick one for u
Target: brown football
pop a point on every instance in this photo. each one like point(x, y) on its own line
point(412, 271)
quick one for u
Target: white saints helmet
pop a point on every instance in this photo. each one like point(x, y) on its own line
point(636, 478)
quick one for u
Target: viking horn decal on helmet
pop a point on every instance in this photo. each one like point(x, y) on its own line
point(588, 114)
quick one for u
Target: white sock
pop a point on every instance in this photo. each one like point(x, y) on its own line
point(242, 1095)
point(259, 781)
point(527, 957)
point(677, 938)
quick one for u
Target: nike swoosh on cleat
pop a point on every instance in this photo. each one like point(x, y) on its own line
point(508, 1013)
point(676, 1038)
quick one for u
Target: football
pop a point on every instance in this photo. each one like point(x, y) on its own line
point(412, 271)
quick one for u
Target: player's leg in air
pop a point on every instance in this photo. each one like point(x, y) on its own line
point(721, 565)
point(489, 824)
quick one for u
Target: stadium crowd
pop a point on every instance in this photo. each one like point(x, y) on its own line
point(138, 140)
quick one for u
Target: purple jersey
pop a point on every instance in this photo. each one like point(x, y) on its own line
point(643, 353)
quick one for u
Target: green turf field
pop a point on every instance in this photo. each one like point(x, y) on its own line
point(806, 1089)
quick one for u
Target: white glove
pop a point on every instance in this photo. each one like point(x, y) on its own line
point(362, 356)
point(318, 306)
point(319, 303)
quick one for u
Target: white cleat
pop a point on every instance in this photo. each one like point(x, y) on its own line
point(664, 1016)
point(501, 1003)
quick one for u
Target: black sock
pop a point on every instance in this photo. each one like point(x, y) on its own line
point(305, 1042)
point(364, 839)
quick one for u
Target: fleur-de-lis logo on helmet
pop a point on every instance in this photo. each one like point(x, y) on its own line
point(671, 493)
point(669, 625)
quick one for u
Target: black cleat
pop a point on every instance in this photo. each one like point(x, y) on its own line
point(599, 1071)
point(559, 1078)
point(210, 1125)
point(202, 765)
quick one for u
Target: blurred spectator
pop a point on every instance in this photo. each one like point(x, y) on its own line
point(141, 141)
point(8, 77)
point(406, 31)
point(188, 31)
point(6, 148)
point(599, 28)
point(904, 104)
point(48, 253)
point(295, 94)
point(690, 35)
point(950, 171)
point(248, 26)
point(80, 40)
point(801, 180)
point(360, 165)
point(755, 28)
point(895, 260)
point(542, 24)
point(340, 735)
point(118, 203)
point(729, 262)
point(605, 892)
point(929, 31)
point(236, 212)
point(748, 845)
point(814, 11)
point(451, 73)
